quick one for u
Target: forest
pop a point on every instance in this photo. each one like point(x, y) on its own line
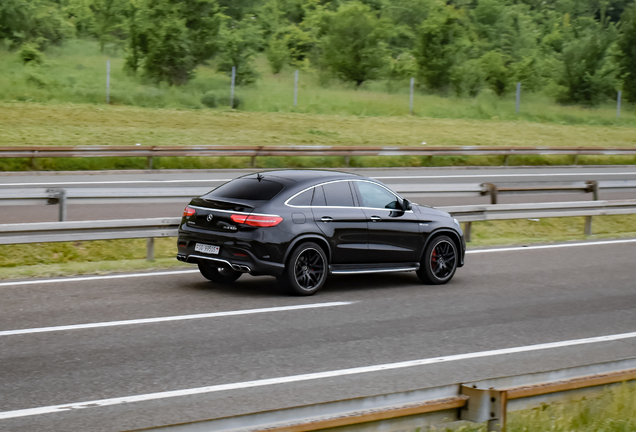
point(575, 51)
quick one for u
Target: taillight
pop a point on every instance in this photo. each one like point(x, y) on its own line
point(239, 219)
point(188, 211)
point(263, 221)
point(257, 220)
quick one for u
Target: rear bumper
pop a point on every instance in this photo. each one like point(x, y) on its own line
point(237, 257)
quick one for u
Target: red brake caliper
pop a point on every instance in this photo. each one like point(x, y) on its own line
point(434, 257)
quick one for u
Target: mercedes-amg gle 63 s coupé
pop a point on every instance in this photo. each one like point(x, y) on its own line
point(302, 225)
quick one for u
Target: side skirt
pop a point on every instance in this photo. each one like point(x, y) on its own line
point(373, 268)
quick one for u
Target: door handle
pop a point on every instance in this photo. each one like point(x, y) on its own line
point(376, 218)
point(326, 219)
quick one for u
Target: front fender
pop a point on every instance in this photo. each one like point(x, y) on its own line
point(457, 238)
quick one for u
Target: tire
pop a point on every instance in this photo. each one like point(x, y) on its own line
point(218, 274)
point(306, 270)
point(439, 261)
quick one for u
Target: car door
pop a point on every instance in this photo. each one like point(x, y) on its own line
point(393, 234)
point(341, 221)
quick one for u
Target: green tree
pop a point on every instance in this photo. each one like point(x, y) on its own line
point(587, 74)
point(440, 46)
point(39, 22)
point(168, 39)
point(277, 53)
point(81, 15)
point(108, 21)
point(626, 55)
point(239, 43)
point(355, 44)
point(495, 72)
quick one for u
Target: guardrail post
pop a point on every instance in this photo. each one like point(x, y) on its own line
point(347, 161)
point(150, 249)
point(490, 189)
point(485, 405)
point(588, 225)
point(506, 160)
point(62, 205)
point(592, 186)
point(467, 227)
point(58, 196)
point(149, 161)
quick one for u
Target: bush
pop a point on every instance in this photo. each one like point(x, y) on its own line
point(209, 99)
point(224, 101)
point(33, 77)
point(30, 54)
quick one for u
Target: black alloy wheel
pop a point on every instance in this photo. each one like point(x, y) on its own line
point(214, 273)
point(439, 261)
point(306, 270)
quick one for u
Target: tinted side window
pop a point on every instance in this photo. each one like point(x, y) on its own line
point(319, 197)
point(247, 189)
point(375, 196)
point(304, 199)
point(338, 194)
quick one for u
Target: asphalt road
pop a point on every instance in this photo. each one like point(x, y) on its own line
point(501, 299)
point(502, 176)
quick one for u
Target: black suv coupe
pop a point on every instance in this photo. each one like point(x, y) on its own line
point(301, 225)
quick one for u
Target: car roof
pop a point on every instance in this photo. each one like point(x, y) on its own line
point(302, 177)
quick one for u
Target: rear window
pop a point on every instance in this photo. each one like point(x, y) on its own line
point(247, 189)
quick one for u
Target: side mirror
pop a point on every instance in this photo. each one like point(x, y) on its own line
point(406, 205)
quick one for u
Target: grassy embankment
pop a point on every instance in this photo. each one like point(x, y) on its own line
point(613, 411)
point(62, 103)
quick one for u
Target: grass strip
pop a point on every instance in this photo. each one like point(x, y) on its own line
point(132, 163)
point(28, 124)
point(613, 411)
point(106, 256)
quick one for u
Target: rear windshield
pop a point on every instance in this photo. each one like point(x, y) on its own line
point(247, 189)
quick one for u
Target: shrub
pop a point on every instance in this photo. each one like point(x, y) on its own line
point(36, 79)
point(209, 99)
point(224, 101)
point(30, 54)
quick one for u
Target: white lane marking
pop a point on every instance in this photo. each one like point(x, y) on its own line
point(91, 278)
point(170, 318)
point(307, 377)
point(517, 248)
point(506, 175)
point(154, 182)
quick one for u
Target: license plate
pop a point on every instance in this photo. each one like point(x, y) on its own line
point(208, 249)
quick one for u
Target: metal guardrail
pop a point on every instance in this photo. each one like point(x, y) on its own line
point(150, 152)
point(475, 213)
point(482, 401)
point(117, 195)
point(43, 232)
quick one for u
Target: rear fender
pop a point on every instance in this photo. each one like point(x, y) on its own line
point(309, 237)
